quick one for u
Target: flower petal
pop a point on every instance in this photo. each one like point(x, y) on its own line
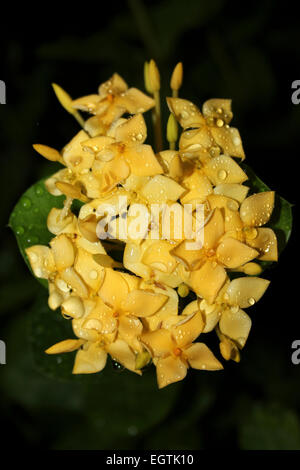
point(229, 140)
point(143, 303)
point(170, 370)
point(135, 101)
point(223, 169)
point(256, 210)
point(89, 269)
point(265, 243)
point(68, 345)
point(199, 356)
point(235, 191)
point(142, 160)
point(122, 353)
point(213, 229)
point(232, 253)
point(186, 113)
point(208, 280)
point(114, 288)
point(245, 291)
point(236, 325)
point(132, 131)
point(187, 331)
point(89, 361)
point(160, 342)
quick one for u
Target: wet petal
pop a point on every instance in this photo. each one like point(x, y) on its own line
point(91, 360)
point(232, 253)
point(208, 280)
point(186, 113)
point(132, 131)
point(199, 356)
point(130, 329)
point(159, 342)
point(135, 101)
point(92, 273)
point(223, 169)
point(266, 243)
point(218, 108)
point(213, 229)
point(188, 329)
point(114, 85)
point(161, 189)
point(235, 191)
point(41, 261)
point(245, 291)
point(236, 325)
point(142, 160)
point(191, 259)
point(68, 345)
point(229, 140)
point(170, 370)
point(158, 256)
point(143, 303)
point(86, 103)
point(114, 288)
point(256, 210)
point(63, 251)
point(122, 353)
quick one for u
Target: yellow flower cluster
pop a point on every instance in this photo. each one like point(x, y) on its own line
point(129, 310)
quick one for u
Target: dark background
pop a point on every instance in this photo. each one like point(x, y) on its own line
point(245, 51)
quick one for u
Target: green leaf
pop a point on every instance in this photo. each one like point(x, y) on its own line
point(120, 401)
point(28, 220)
point(269, 427)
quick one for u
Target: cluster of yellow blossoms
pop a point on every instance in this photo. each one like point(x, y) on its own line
point(129, 310)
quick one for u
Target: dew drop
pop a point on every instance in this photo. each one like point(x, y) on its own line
point(20, 230)
point(222, 174)
point(251, 301)
point(26, 203)
point(39, 190)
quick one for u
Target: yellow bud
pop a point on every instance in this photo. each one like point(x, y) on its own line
point(172, 129)
point(183, 290)
point(252, 269)
point(154, 77)
point(146, 78)
point(177, 75)
point(66, 101)
point(142, 359)
point(47, 152)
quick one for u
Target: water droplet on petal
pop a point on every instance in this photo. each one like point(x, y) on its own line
point(222, 174)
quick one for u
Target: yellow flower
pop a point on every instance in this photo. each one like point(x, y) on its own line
point(173, 350)
point(122, 153)
point(207, 265)
point(246, 223)
point(112, 101)
point(206, 133)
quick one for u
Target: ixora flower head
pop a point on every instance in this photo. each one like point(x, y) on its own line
point(127, 307)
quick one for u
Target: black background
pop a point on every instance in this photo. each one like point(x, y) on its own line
point(248, 52)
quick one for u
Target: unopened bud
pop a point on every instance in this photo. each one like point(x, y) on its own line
point(47, 152)
point(142, 359)
point(172, 129)
point(66, 101)
point(146, 78)
point(183, 290)
point(154, 77)
point(177, 75)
